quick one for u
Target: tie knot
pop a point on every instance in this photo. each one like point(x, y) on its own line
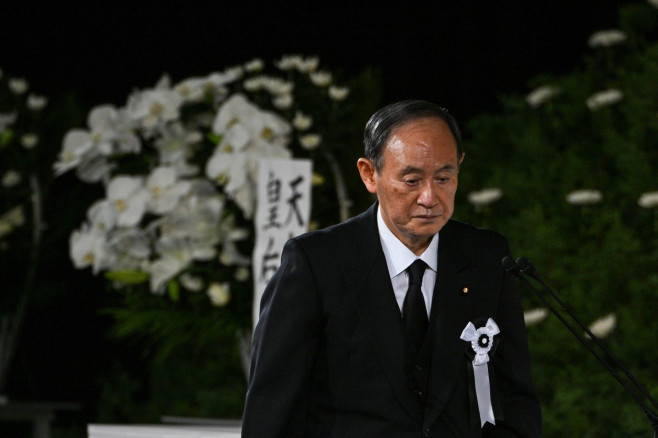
point(416, 271)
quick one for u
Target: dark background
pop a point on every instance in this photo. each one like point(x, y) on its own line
point(461, 54)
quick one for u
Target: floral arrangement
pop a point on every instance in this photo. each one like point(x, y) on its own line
point(178, 164)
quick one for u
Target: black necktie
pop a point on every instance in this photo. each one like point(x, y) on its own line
point(414, 312)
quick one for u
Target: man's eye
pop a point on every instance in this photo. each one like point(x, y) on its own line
point(411, 182)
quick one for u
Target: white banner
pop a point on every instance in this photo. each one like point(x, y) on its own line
point(283, 211)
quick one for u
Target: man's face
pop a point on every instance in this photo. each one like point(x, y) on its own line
point(417, 181)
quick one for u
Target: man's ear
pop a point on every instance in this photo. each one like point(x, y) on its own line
point(367, 172)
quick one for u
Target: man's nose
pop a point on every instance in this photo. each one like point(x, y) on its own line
point(428, 196)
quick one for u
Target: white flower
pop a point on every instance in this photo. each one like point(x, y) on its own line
point(308, 65)
point(18, 85)
point(253, 84)
point(604, 98)
point(289, 62)
point(321, 78)
point(277, 86)
point(302, 122)
point(36, 102)
point(128, 197)
point(129, 247)
point(225, 168)
point(190, 282)
point(109, 133)
point(176, 254)
point(648, 200)
point(606, 38)
point(89, 248)
point(219, 294)
point(11, 178)
point(195, 89)
point(75, 146)
point(174, 147)
point(195, 219)
point(534, 316)
point(310, 141)
point(151, 108)
point(256, 64)
point(165, 189)
point(604, 326)
point(584, 197)
point(230, 254)
point(485, 197)
point(29, 141)
point(541, 95)
point(338, 94)
point(162, 270)
point(102, 216)
point(259, 125)
point(283, 102)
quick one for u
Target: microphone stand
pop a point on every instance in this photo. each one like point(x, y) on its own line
point(523, 268)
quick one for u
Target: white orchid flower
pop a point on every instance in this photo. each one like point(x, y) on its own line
point(152, 108)
point(175, 148)
point(175, 256)
point(88, 248)
point(165, 189)
point(76, 144)
point(129, 246)
point(129, 198)
point(102, 216)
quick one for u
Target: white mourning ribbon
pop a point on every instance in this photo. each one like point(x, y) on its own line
point(481, 340)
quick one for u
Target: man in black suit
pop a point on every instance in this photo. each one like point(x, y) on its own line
point(348, 346)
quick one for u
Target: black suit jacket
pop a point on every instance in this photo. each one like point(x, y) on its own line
point(330, 357)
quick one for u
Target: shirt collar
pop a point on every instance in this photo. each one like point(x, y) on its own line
point(398, 256)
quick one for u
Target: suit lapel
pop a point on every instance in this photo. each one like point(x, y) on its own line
point(449, 307)
point(368, 279)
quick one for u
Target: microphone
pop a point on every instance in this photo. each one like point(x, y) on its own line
point(523, 268)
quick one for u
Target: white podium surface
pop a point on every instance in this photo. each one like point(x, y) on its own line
point(161, 431)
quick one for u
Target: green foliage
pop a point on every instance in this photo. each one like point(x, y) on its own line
point(601, 257)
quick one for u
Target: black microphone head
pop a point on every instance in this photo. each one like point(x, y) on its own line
point(510, 265)
point(526, 267)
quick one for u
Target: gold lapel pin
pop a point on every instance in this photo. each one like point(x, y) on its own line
point(464, 290)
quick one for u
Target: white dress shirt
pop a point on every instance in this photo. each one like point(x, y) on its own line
point(398, 259)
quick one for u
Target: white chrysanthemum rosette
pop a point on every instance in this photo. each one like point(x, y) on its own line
point(482, 341)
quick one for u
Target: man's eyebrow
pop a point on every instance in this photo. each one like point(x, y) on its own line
point(413, 169)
